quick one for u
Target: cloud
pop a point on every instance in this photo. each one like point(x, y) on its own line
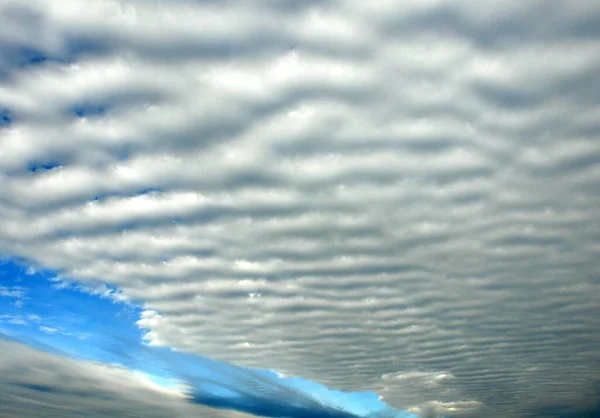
point(35, 384)
point(48, 330)
point(63, 385)
point(18, 293)
point(269, 394)
point(340, 191)
point(200, 380)
point(13, 319)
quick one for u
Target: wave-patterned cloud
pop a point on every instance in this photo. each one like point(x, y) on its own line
point(398, 198)
point(188, 384)
point(268, 394)
point(58, 338)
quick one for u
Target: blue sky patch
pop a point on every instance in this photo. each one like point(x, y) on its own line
point(89, 110)
point(43, 166)
point(5, 117)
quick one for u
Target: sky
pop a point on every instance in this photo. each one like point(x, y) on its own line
point(277, 208)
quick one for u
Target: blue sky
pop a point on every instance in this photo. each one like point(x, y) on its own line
point(276, 208)
point(48, 312)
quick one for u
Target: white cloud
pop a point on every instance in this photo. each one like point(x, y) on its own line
point(17, 292)
point(408, 189)
point(48, 330)
point(13, 319)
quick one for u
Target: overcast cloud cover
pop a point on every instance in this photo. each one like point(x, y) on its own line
point(398, 197)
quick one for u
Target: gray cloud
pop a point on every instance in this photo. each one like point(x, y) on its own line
point(37, 384)
point(336, 191)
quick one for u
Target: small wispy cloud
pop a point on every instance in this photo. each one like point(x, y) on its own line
point(18, 293)
point(93, 288)
point(13, 319)
point(48, 330)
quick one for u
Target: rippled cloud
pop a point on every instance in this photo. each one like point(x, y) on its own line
point(397, 198)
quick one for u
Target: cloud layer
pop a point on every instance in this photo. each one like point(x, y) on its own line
point(399, 198)
point(37, 384)
point(76, 325)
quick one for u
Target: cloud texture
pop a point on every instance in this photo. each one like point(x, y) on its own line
point(38, 384)
point(35, 383)
point(391, 196)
